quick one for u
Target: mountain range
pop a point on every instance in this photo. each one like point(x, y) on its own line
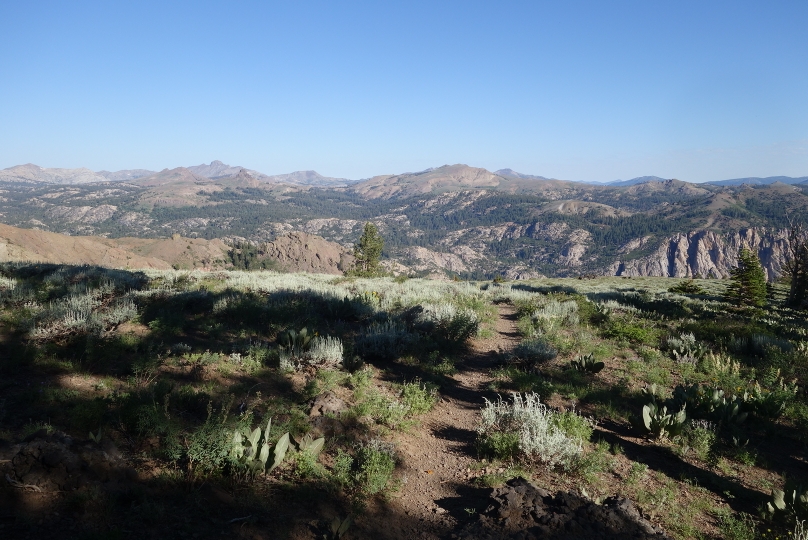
point(450, 220)
point(30, 173)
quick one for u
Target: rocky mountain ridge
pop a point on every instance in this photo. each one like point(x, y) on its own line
point(709, 254)
point(31, 174)
point(453, 220)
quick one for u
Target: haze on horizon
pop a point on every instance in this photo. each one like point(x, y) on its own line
point(580, 91)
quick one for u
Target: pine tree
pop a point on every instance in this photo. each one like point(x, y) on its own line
point(748, 287)
point(796, 268)
point(368, 252)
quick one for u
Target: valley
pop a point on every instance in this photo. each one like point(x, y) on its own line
point(452, 221)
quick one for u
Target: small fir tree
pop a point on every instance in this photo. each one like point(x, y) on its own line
point(368, 252)
point(748, 287)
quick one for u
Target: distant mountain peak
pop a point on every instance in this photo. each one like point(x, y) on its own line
point(638, 180)
point(30, 173)
point(308, 178)
point(510, 173)
point(758, 181)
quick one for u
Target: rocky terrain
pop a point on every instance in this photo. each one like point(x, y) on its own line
point(453, 220)
point(706, 253)
point(301, 252)
point(521, 511)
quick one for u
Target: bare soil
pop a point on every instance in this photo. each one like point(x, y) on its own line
point(438, 458)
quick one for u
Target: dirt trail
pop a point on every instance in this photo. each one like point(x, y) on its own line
point(437, 454)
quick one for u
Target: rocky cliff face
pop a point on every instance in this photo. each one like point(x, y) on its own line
point(707, 253)
point(301, 252)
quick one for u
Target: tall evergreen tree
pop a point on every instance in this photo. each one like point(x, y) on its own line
point(748, 287)
point(368, 252)
point(796, 268)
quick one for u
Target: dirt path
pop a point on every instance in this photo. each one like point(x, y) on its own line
point(438, 454)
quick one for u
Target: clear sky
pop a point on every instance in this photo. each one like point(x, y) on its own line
point(597, 90)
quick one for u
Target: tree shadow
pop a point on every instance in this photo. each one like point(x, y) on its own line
point(737, 496)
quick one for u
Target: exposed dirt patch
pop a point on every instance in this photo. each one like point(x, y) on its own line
point(439, 455)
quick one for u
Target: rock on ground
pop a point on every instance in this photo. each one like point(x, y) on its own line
point(521, 511)
point(57, 462)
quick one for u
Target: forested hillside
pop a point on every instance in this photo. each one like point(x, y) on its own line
point(454, 219)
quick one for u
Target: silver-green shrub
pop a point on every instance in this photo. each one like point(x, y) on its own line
point(382, 340)
point(534, 351)
point(539, 435)
point(448, 322)
point(555, 313)
point(325, 351)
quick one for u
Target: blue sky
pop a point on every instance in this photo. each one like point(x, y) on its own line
point(574, 90)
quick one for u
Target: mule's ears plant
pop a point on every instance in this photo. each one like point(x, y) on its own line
point(587, 364)
point(311, 445)
point(97, 437)
point(280, 451)
point(251, 448)
point(654, 392)
point(338, 528)
point(295, 341)
point(791, 500)
point(660, 423)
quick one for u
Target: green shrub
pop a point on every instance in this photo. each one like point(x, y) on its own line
point(341, 471)
point(441, 365)
point(360, 380)
point(323, 381)
point(307, 466)
point(523, 380)
point(626, 330)
point(698, 436)
point(499, 445)
point(594, 462)
point(737, 527)
point(797, 412)
point(375, 466)
point(574, 425)
point(208, 447)
point(417, 397)
point(636, 473)
point(382, 409)
point(353, 363)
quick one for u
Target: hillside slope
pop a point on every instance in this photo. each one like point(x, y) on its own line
point(41, 246)
point(454, 220)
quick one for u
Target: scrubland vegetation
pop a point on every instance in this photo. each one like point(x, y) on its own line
point(655, 389)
